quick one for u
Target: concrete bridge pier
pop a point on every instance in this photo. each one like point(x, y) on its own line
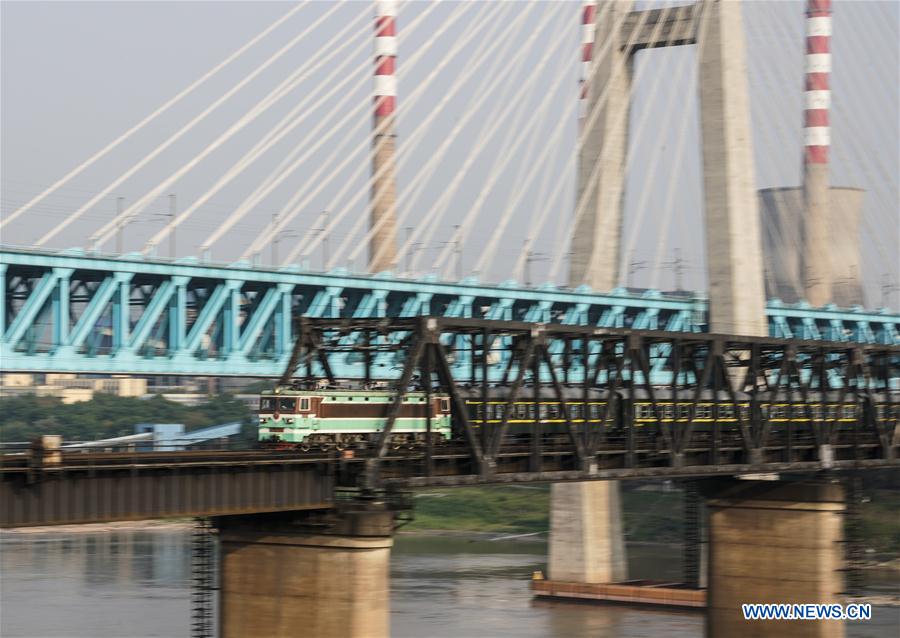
point(774, 542)
point(586, 540)
point(325, 575)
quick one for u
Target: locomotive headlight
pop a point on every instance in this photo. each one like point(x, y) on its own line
point(262, 419)
point(289, 420)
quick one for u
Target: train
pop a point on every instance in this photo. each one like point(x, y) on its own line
point(326, 417)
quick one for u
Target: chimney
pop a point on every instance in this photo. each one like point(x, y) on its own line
point(383, 245)
point(815, 257)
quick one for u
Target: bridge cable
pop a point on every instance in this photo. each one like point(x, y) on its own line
point(588, 122)
point(159, 111)
point(860, 159)
point(402, 152)
point(662, 243)
point(684, 74)
point(284, 219)
point(437, 211)
point(282, 129)
point(274, 96)
point(426, 172)
point(292, 208)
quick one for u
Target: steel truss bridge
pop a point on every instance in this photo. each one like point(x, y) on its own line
point(76, 312)
point(565, 365)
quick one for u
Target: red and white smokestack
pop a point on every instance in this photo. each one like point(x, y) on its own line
point(385, 58)
point(383, 245)
point(817, 138)
point(817, 134)
point(588, 15)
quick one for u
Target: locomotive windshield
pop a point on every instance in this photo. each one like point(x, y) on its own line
point(287, 405)
point(267, 404)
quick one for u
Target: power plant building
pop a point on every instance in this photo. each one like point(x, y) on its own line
point(783, 239)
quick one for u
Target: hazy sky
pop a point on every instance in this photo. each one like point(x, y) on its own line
point(75, 75)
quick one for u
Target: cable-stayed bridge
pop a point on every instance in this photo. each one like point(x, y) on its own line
point(469, 151)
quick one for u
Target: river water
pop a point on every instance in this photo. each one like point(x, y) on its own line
point(136, 583)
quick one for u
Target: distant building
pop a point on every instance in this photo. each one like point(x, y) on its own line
point(781, 210)
point(71, 388)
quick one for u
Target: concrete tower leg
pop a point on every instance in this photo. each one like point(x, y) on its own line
point(279, 579)
point(733, 247)
point(774, 542)
point(586, 540)
point(597, 234)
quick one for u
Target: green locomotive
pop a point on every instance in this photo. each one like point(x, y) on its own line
point(325, 418)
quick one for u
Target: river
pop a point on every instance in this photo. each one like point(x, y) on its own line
point(136, 583)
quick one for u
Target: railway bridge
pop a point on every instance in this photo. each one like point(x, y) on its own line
point(328, 517)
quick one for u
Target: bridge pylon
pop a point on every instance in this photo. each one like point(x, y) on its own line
point(733, 245)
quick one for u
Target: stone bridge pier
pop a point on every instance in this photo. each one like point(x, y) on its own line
point(774, 542)
point(312, 574)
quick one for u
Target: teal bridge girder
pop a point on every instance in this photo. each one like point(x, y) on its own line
point(71, 311)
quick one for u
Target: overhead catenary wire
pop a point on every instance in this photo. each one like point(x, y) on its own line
point(152, 116)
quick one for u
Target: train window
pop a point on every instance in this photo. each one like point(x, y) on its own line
point(445, 405)
point(595, 411)
point(879, 412)
point(288, 405)
point(684, 411)
point(642, 411)
point(745, 412)
point(575, 410)
point(531, 411)
point(542, 410)
point(304, 404)
point(521, 410)
point(499, 411)
point(553, 410)
point(832, 412)
point(848, 412)
point(817, 412)
point(704, 411)
point(726, 410)
point(668, 411)
point(266, 404)
point(778, 412)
